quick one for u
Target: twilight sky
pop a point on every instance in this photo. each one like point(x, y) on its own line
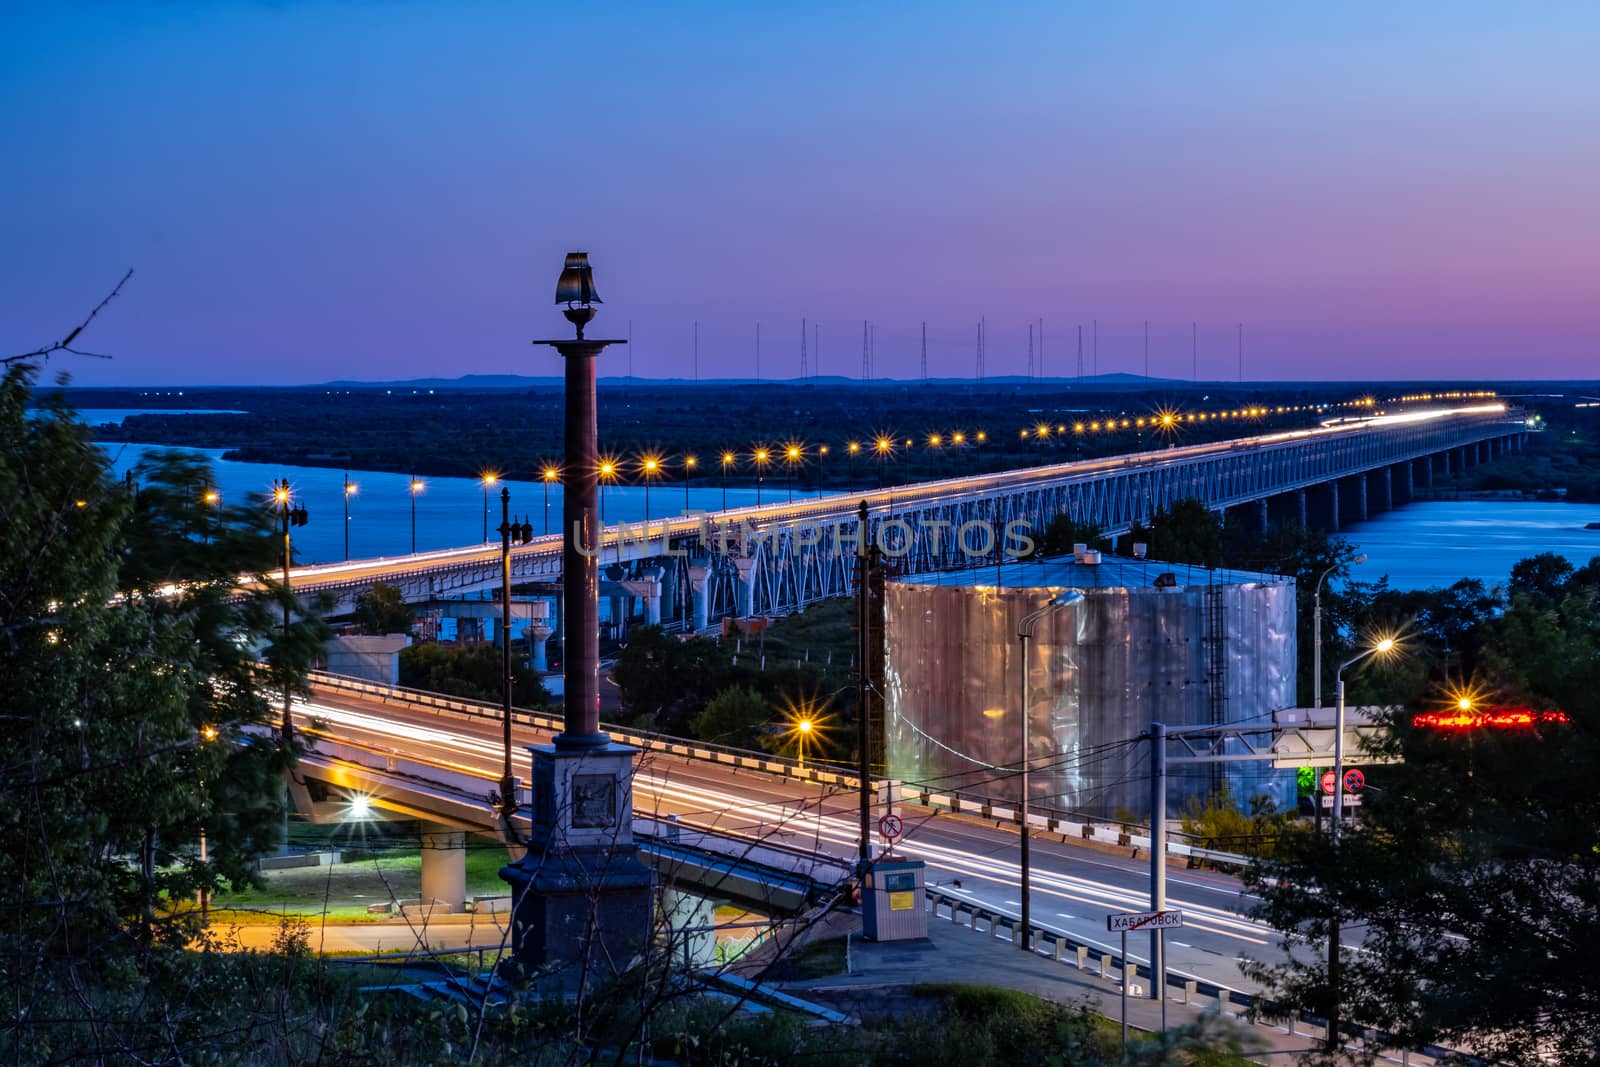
point(319, 190)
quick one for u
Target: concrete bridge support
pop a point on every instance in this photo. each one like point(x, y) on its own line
point(690, 920)
point(647, 587)
point(699, 590)
point(538, 640)
point(1300, 505)
point(1387, 476)
point(1361, 498)
point(745, 592)
point(444, 865)
point(1333, 506)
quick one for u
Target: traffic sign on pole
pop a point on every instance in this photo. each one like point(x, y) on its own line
point(1354, 781)
point(1351, 800)
point(1143, 920)
point(890, 826)
point(1327, 782)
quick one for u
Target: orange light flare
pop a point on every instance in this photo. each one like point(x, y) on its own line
point(1467, 708)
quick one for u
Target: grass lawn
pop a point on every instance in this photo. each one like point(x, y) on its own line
point(343, 891)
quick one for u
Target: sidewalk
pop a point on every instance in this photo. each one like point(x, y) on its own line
point(955, 953)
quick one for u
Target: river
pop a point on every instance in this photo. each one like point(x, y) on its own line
point(1430, 543)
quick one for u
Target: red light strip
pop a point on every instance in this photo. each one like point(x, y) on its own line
point(1504, 718)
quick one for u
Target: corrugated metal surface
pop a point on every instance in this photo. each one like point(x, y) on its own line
point(1099, 674)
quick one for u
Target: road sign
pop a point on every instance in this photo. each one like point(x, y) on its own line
point(890, 826)
point(1143, 920)
point(1351, 800)
point(1327, 781)
point(1354, 781)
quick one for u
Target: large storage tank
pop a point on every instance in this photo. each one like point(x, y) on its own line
point(1149, 642)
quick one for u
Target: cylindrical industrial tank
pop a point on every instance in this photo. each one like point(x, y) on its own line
point(1202, 647)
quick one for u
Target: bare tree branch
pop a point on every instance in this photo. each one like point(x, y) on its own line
point(65, 344)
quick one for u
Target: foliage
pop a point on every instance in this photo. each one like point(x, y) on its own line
point(665, 680)
point(1062, 533)
point(135, 705)
point(383, 610)
point(473, 672)
point(1186, 532)
point(1473, 874)
point(1219, 823)
point(737, 716)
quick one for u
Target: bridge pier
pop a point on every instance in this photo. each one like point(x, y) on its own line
point(444, 866)
point(1361, 496)
point(745, 591)
point(1388, 489)
point(689, 920)
point(1333, 506)
point(699, 591)
point(648, 587)
point(1300, 506)
point(538, 638)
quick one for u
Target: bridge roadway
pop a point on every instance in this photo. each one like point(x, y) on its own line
point(781, 556)
point(1074, 885)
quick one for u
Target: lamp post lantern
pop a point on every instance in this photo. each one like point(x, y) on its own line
point(650, 468)
point(582, 896)
point(792, 454)
point(762, 458)
point(689, 465)
point(854, 449)
point(1024, 636)
point(728, 460)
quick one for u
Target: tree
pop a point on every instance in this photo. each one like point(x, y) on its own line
point(1473, 875)
point(135, 718)
point(1186, 532)
point(474, 672)
point(665, 680)
point(383, 610)
point(1063, 532)
point(737, 716)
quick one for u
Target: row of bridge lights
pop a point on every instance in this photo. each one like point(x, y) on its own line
point(651, 466)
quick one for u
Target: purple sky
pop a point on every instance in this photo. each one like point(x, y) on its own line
point(385, 190)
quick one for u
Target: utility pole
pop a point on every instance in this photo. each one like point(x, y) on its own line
point(864, 564)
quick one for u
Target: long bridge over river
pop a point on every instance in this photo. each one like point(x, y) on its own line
point(777, 558)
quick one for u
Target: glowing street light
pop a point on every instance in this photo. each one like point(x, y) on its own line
point(792, 454)
point(762, 457)
point(854, 449)
point(289, 514)
point(487, 479)
point(349, 491)
point(728, 460)
point(548, 476)
point(689, 465)
point(650, 468)
point(417, 486)
point(1381, 647)
point(608, 474)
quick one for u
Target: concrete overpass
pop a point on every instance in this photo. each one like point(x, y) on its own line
point(780, 557)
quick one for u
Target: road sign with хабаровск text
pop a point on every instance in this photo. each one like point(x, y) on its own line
point(1124, 922)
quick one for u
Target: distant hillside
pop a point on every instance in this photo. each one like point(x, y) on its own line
point(481, 382)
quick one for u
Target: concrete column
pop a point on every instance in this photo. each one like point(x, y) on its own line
point(689, 919)
point(444, 866)
point(669, 590)
point(1444, 458)
point(538, 638)
point(1411, 482)
point(1263, 514)
point(1388, 489)
point(1333, 507)
point(745, 568)
point(700, 592)
point(647, 587)
point(1300, 506)
point(1361, 495)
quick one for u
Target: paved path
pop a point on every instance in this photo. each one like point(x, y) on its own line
point(384, 936)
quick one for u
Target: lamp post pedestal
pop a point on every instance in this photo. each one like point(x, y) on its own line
point(581, 896)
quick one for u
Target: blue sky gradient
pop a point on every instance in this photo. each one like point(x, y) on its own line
point(385, 190)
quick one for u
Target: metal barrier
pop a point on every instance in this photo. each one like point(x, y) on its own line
point(1067, 824)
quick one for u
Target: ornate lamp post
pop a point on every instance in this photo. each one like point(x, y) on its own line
point(728, 460)
point(650, 469)
point(689, 465)
point(487, 478)
point(792, 455)
point(854, 448)
point(581, 894)
point(762, 458)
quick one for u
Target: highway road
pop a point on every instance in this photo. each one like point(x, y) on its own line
point(1074, 886)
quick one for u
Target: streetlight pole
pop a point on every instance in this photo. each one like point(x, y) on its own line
point(550, 474)
point(1316, 634)
point(289, 514)
point(1384, 646)
point(349, 488)
point(853, 449)
point(416, 487)
point(761, 457)
point(1024, 636)
point(488, 478)
point(728, 458)
point(689, 464)
point(522, 533)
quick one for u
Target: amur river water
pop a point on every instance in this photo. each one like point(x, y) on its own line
point(1429, 543)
